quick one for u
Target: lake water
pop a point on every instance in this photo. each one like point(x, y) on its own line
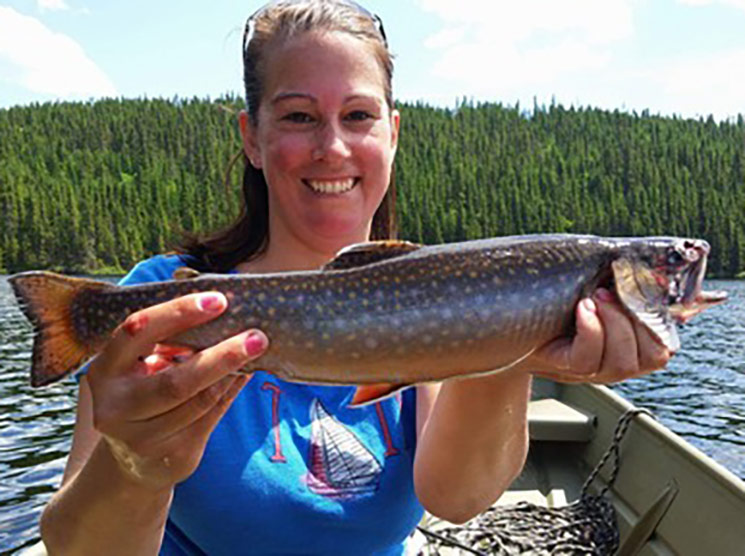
point(701, 396)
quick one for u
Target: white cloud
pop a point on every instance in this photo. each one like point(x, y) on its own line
point(445, 38)
point(581, 52)
point(740, 4)
point(508, 20)
point(495, 48)
point(47, 62)
point(706, 84)
point(52, 5)
point(507, 71)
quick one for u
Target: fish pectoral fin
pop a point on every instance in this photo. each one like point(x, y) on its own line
point(361, 254)
point(185, 273)
point(371, 393)
point(646, 299)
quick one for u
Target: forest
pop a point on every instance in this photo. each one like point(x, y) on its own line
point(97, 186)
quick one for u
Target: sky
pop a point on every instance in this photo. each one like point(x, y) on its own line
point(682, 57)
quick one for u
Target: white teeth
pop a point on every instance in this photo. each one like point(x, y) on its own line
point(332, 186)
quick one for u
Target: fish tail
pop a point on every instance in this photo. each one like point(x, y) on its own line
point(47, 301)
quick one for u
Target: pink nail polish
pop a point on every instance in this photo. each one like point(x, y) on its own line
point(254, 343)
point(210, 302)
point(604, 295)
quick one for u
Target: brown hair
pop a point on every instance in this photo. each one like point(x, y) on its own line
point(248, 236)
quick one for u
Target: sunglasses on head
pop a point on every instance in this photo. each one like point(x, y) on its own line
point(249, 28)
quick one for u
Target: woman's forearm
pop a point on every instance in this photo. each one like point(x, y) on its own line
point(102, 511)
point(473, 444)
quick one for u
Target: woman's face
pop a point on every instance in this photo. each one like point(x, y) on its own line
point(325, 140)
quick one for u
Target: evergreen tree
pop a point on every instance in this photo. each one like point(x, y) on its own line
point(103, 184)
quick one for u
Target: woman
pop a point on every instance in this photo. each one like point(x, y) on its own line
point(173, 453)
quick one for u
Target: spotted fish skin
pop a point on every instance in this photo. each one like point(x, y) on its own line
point(412, 314)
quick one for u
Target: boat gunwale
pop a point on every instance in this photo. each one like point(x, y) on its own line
point(720, 474)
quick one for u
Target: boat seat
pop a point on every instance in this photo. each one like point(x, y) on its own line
point(556, 498)
point(552, 420)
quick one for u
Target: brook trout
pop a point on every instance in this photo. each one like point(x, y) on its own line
point(392, 313)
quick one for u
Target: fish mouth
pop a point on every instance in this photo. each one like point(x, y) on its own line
point(684, 265)
point(693, 278)
point(688, 297)
point(335, 186)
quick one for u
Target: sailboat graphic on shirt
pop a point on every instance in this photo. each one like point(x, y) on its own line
point(340, 464)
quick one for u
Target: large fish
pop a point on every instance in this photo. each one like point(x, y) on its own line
point(391, 312)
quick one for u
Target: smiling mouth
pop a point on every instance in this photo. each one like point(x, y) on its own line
point(332, 187)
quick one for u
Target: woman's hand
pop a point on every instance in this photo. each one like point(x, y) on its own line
point(609, 346)
point(156, 405)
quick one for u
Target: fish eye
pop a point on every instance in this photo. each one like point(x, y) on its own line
point(675, 258)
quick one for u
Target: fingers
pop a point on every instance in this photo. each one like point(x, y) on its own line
point(177, 383)
point(631, 349)
point(173, 352)
point(163, 356)
point(581, 355)
point(141, 331)
point(154, 363)
point(587, 349)
point(609, 346)
point(653, 355)
point(204, 425)
point(155, 403)
point(621, 357)
point(177, 395)
point(218, 395)
point(167, 449)
point(193, 438)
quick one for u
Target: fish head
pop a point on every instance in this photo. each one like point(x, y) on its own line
point(659, 281)
point(688, 298)
point(677, 264)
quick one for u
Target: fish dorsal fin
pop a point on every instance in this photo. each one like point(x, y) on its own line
point(646, 298)
point(185, 273)
point(361, 254)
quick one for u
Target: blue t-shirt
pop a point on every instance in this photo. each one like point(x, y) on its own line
point(290, 469)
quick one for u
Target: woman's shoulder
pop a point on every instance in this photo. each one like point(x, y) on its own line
point(155, 269)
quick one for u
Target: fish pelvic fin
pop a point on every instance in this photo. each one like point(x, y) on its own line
point(371, 393)
point(645, 297)
point(361, 254)
point(47, 301)
point(185, 273)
